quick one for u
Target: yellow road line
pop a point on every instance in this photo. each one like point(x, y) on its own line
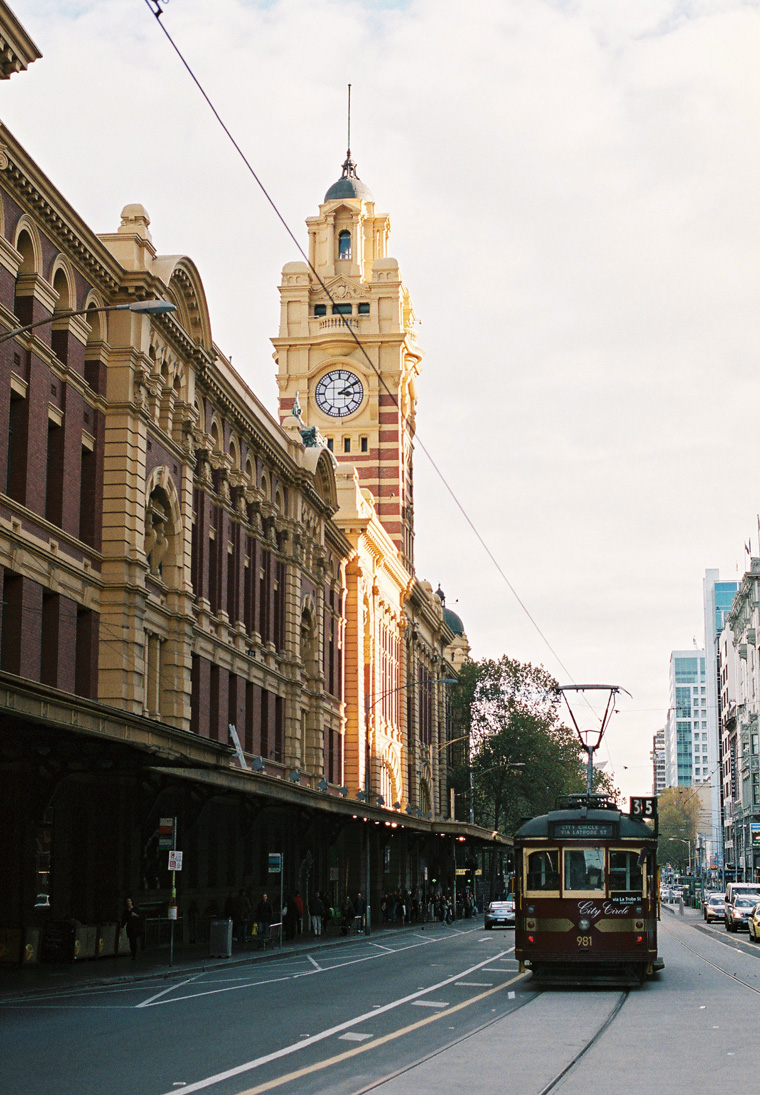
point(318, 1066)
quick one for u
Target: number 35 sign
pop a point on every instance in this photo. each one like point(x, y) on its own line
point(644, 808)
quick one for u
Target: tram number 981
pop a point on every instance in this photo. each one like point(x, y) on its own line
point(583, 940)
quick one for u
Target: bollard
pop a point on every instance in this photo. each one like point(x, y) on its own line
point(680, 906)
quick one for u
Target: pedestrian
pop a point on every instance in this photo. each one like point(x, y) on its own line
point(359, 911)
point(347, 916)
point(264, 918)
point(317, 912)
point(133, 922)
point(298, 901)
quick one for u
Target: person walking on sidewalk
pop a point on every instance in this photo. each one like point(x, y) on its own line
point(133, 922)
point(264, 917)
point(317, 912)
point(347, 916)
point(298, 902)
point(359, 911)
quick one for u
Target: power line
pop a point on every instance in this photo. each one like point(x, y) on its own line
point(155, 8)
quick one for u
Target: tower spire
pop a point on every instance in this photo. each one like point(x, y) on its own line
point(349, 185)
point(348, 153)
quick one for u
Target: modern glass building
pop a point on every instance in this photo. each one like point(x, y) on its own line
point(686, 745)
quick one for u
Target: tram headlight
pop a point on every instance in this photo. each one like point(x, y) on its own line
point(531, 910)
point(638, 910)
point(584, 925)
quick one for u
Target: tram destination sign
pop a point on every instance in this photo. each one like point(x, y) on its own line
point(584, 830)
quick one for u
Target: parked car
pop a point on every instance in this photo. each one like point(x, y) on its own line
point(753, 924)
point(713, 906)
point(738, 910)
point(501, 914)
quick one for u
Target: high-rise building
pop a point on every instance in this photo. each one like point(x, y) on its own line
point(686, 747)
point(658, 762)
point(718, 596)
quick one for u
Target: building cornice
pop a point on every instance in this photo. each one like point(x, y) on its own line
point(18, 49)
point(35, 193)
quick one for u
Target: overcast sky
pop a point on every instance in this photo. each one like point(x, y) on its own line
point(573, 190)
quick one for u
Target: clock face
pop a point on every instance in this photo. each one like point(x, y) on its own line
point(339, 393)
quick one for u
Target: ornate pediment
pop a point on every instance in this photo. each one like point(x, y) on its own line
point(342, 288)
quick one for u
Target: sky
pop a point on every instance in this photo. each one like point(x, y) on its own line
point(573, 189)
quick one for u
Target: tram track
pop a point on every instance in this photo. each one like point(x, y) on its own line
point(451, 1044)
point(589, 1044)
point(726, 973)
point(548, 1088)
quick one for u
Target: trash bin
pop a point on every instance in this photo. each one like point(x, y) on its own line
point(220, 939)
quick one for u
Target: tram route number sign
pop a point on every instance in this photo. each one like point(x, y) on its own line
point(644, 808)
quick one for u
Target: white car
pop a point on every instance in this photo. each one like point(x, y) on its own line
point(500, 914)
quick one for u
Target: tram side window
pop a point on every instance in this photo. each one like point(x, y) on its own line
point(625, 872)
point(543, 870)
point(584, 869)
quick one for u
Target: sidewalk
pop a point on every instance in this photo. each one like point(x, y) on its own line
point(688, 913)
point(50, 978)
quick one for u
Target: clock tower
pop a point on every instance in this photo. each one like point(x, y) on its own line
point(348, 348)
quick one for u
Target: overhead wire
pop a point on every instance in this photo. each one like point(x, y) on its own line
point(155, 8)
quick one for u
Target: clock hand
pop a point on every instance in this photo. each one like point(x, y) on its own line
point(347, 391)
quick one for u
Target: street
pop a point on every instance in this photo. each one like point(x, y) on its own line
point(434, 1008)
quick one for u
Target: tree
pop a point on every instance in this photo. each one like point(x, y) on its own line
point(521, 754)
point(678, 809)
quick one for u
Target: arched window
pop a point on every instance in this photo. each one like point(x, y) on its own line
point(22, 303)
point(344, 244)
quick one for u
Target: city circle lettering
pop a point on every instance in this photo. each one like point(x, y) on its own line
point(592, 911)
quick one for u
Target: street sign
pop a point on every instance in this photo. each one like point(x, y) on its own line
point(166, 832)
point(175, 861)
point(275, 862)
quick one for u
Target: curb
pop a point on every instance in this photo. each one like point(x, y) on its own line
point(201, 965)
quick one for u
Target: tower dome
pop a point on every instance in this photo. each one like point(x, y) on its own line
point(452, 621)
point(349, 185)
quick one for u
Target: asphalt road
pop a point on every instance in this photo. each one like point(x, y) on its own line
point(437, 1010)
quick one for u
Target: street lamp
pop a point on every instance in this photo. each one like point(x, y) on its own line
point(367, 780)
point(434, 753)
point(141, 307)
point(683, 840)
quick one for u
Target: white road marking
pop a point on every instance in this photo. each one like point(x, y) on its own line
point(474, 984)
point(355, 1036)
point(430, 1003)
point(314, 964)
point(294, 1047)
point(163, 992)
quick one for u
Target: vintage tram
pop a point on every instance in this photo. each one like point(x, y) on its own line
point(587, 894)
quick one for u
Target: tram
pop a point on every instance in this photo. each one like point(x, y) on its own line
point(587, 893)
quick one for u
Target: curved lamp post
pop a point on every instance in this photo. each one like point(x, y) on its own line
point(141, 307)
point(367, 783)
point(683, 840)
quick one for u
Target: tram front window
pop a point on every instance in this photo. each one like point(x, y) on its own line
point(625, 873)
point(584, 870)
point(543, 870)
